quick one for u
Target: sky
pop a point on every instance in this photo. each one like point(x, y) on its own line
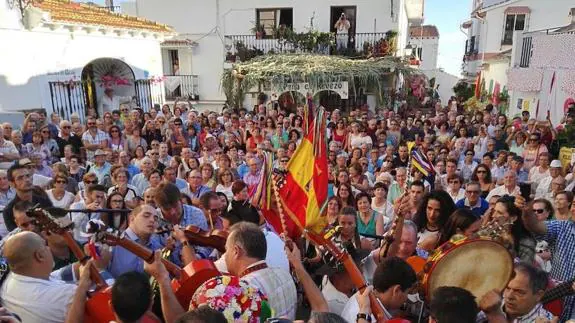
point(448, 15)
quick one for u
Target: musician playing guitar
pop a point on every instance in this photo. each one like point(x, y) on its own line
point(28, 290)
point(392, 281)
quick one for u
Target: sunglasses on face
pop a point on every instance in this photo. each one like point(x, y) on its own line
point(66, 127)
point(91, 182)
point(539, 211)
point(481, 172)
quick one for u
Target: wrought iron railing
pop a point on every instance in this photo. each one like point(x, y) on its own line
point(356, 44)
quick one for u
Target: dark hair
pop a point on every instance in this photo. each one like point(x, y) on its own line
point(110, 216)
point(460, 219)
point(325, 317)
point(518, 230)
point(350, 199)
point(361, 195)
point(131, 296)
point(167, 194)
point(548, 206)
point(381, 185)
point(538, 279)
point(16, 166)
point(202, 314)
point(238, 186)
point(488, 178)
point(95, 187)
point(393, 271)
point(206, 197)
point(251, 238)
point(453, 305)
point(447, 208)
point(418, 183)
point(489, 154)
point(22, 206)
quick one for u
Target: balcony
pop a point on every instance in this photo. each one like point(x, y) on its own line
point(182, 86)
point(359, 45)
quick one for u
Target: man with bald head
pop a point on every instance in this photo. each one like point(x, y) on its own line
point(31, 293)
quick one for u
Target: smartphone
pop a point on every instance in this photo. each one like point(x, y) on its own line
point(525, 191)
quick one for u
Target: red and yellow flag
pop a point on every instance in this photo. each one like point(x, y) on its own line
point(305, 191)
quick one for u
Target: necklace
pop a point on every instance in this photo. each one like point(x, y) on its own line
point(253, 269)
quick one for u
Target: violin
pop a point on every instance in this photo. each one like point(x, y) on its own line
point(214, 238)
point(186, 281)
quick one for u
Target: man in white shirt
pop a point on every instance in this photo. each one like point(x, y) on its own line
point(509, 186)
point(95, 198)
point(110, 102)
point(31, 293)
point(246, 250)
point(342, 28)
point(391, 282)
point(8, 153)
point(544, 187)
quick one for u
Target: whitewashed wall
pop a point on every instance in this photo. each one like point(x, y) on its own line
point(430, 50)
point(30, 59)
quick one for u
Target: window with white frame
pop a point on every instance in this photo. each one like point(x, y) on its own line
point(513, 22)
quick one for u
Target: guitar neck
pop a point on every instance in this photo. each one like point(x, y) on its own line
point(79, 254)
point(562, 290)
point(147, 255)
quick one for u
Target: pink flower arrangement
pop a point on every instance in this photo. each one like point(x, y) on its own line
point(235, 298)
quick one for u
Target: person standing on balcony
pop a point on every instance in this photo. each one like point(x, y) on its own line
point(342, 32)
point(110, 102)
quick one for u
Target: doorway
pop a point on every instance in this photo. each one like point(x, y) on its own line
point(351, 15)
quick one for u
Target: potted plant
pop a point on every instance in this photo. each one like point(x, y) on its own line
point(230, 57)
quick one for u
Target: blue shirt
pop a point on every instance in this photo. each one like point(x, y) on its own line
point(124, 261)
point(477, 210)
point(191, 216)
point(243, 169)
point(133, 170)
point(181, 184)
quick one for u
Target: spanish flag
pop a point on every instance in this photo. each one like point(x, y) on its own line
point(304, 194)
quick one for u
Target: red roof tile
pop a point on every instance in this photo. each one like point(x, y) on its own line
point(423, 31)
point(85, 14)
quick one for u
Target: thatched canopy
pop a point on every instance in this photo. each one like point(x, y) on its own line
point(374, 74)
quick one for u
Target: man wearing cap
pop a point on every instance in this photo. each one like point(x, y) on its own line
point(544, 188)
point(100, 167)
point(20, 177)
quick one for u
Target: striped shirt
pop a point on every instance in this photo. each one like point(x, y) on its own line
point(537, 312)
point(99, 138)
point(561, 238)
point(278, 285)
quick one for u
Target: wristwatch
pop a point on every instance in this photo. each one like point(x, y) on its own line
point(363, 316)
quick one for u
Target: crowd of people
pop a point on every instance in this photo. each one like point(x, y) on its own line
point(153, 173)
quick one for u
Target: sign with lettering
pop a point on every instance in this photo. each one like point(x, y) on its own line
point(340, 88)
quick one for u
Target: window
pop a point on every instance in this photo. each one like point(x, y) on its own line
point(512, 23)
point(271, 19)
point(471, 45)
point(420, 53)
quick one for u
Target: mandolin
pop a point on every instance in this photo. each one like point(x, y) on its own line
point(186, 280)
point(355, 274)
point(215, 238)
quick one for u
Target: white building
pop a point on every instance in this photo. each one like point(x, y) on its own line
point(542, 77)
point(210, 29)
point(59, 55)
point(491, 33)
point(424, 41)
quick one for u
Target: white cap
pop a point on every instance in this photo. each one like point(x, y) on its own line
point(556, 163)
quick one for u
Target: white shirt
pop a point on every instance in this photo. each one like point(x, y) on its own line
point(275, 255)
point(65, 202)
point(352, 308)
point(7, 147)
point(501, 191)
point(37, 300)
point(81, 220)
point(107, 104)
point(335, 299)
point(535, 174)
point(544, 188)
